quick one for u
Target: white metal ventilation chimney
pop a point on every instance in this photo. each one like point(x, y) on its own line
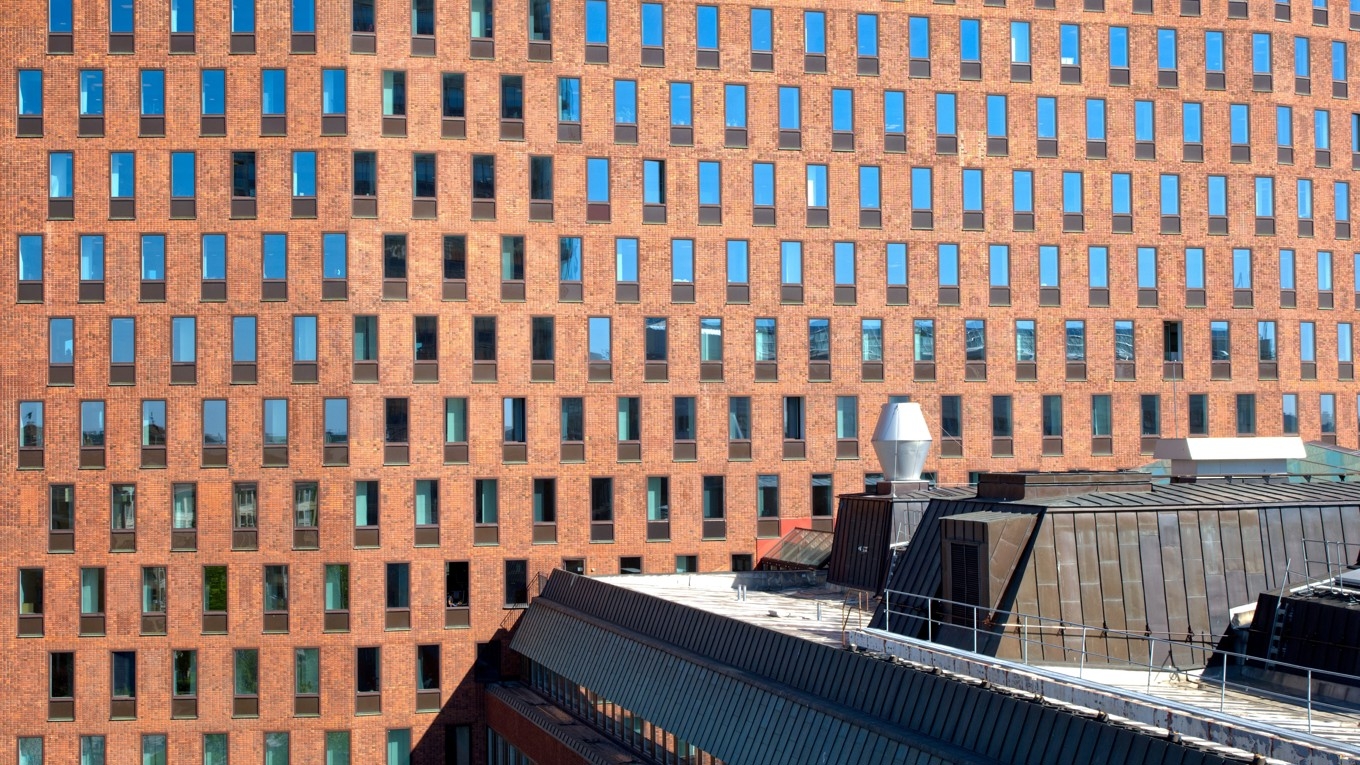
point(902, 442)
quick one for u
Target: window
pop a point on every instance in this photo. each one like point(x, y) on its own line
point(1050, 274)
point(946, 121)
point(1265, 341)
point(706, 34)
point(894, 121)
point(790, 111)
point(152, 88)
point(1166, 56)
point(970, 48)
point(1052, 411)
point(658, 500)
point(212, 86)
point(947, 263)
point(1075, 347)
point(516, 584)
point(739, 418)
point(762, 33)
point(1020, 39)
point(999, 266)
point(866, 36)
point(682, 261)
point(737, 272)
point(393, 93)
point(1241, 269)
point(1025, 351)
point(93, 749)
point(842, 110)
point(91, 93)
point(486, 510)
point(767, 496)
point(923, 334)
point(629, 419)
point(871, 340)
point(1246, 414)
point(1220, 345)
point(1290, 414)
point(597, 180)
point(365, 174)
point(816, 189)
point(91, 258)
point(304, 177)
point(819, 339)
point(766, 340)
point(1121, 200)
point(482, 21)
point(814, 32)
point(1002, 426)
point(682, 107)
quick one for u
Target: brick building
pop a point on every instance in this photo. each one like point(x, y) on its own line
point(297, 260)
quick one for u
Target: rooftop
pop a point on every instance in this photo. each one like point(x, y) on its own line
point(1229, 722)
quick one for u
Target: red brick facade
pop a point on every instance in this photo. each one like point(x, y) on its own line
point(23, 493)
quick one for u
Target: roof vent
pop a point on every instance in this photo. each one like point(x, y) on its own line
point(1229, 456)
point(902, 442)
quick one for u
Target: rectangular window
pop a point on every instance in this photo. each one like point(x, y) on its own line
point(790, 111)
point(923, 334)
point(213, 90)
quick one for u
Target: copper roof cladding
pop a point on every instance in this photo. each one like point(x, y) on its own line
point(1033, 486)
point(1169, 561)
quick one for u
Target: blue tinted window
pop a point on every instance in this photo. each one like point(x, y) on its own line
point(1147, 268)
point(996, 116)
point(153, 91)
point(242, 16)
point(897, 263)
point(945, 116)
point(653, 25)
point(1121, 193)
point(122, 340)
point(1046, 117)
point(894, 111)
point(61, 341)
point(214, 85)
point(1260, 53)
point(682, 104)
point(1192, 123)
point(843, 109)
point(60, 172)
point(710, 183)
point(1213, 51)
point(1069, 42)
point(1305, 198)
point(597, 22)
point(59, 15)
point(1322, 129)
point(1339, 61)
point(948, 264)
point(597, 179)
point(1119, 47)
point(869, 188)
point(972, 190)
point(921, 188)
point(1166, 49)
point(791, 262)
point(734, 106)
point(682, 260)
point(970, 40)
point(304, 173)
point(918, 37)
point(1072, 193)
point(866, 34)
point(30, 92)
point(91, 92)
point(1050, 272)
point(736, 261)
point(1022, 190)
point(999, 265)
point(1095, 119)
point(182, 16)
point(1171, 194)
point(762, 30)
point(304, 338)
point(790, 117)
point(243, 339)
point(706, 27)
point(182, 180)
point(31, 258)
point(568, 99)
point(625, 102)
point(762, 184)
point(214, 257)
point(304, 16)
point(334, 256)
point(274, 256)
point(814, 32)
point(1284, 126)
point(816, 185)
point(153, 257)
point(1098, 264)
point(843, 256)
point(273, 91)
point(1265, 197)
point(1342, 198)
point(122, 175)
point(1218, 195)
point(1302, 63)
point(333, 91)
point(1020, 42)
point(92, 258)
point(1144, 121)
point(1239, 124)
point(1194, 268)
point(1241, 260)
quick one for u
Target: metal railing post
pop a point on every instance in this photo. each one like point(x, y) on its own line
point(1310, 700)
point(887, 610)
point(1223, 685)
point(930, 617)
point(975, 625)
point(1024, 639)
point(1081, 669)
